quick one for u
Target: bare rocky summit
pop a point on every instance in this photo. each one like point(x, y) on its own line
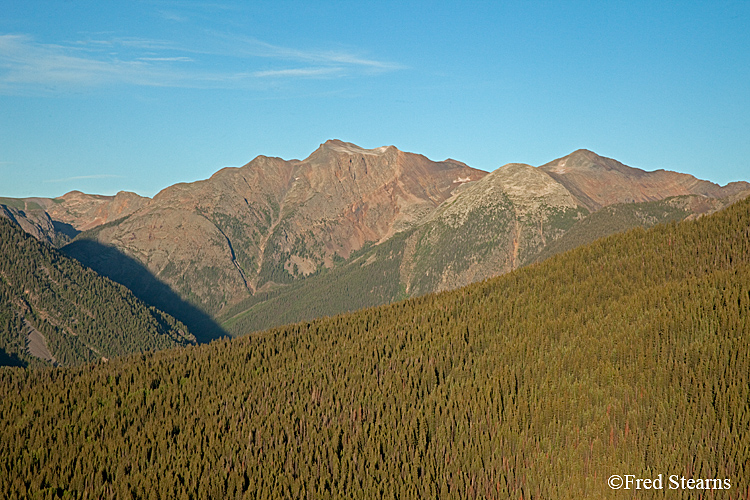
point(598, 181)
point(85, 211)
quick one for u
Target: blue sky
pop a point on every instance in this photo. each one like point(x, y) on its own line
point(138, 95)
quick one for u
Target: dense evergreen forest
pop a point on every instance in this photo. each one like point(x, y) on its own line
point(77, 315)
point(626, 356)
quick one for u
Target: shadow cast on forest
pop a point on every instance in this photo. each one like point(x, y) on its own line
point(66, 229)
point(9, 359)
point(115, 265)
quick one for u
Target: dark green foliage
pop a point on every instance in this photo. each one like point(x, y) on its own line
point(493, 233)
point(370, 277)
point(10, 359)
point(564, 219)
point(82, 316)
point(628, 356)
point(616, 219)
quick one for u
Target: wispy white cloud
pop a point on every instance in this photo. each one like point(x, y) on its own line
point(166, 59)
point(30, 66)
point(297, 72)
point(84, 177)
point(183, 11)
point(253, 47)
point(172, 16)
point(24, 62)
point(109, 41)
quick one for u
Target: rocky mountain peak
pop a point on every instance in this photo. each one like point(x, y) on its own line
point(529, 188)
point(348, 147)
point(85, 211)
point(273, 221)
point(597, 181)
point(585, 162)
point(333, 148)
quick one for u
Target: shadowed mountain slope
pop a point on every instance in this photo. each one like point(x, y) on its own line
point(54, 309)
point(111, 263)
point(33, 220)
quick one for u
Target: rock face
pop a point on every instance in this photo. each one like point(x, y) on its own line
point(597, 181)
point(57, 220)
point(35, 222)
point(85, 211)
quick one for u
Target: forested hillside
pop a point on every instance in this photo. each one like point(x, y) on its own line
point(627, 356)
point(54, 310)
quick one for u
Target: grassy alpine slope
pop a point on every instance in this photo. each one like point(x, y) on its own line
point(626, 356)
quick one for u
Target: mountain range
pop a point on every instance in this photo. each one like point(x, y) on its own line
point(278, 241)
